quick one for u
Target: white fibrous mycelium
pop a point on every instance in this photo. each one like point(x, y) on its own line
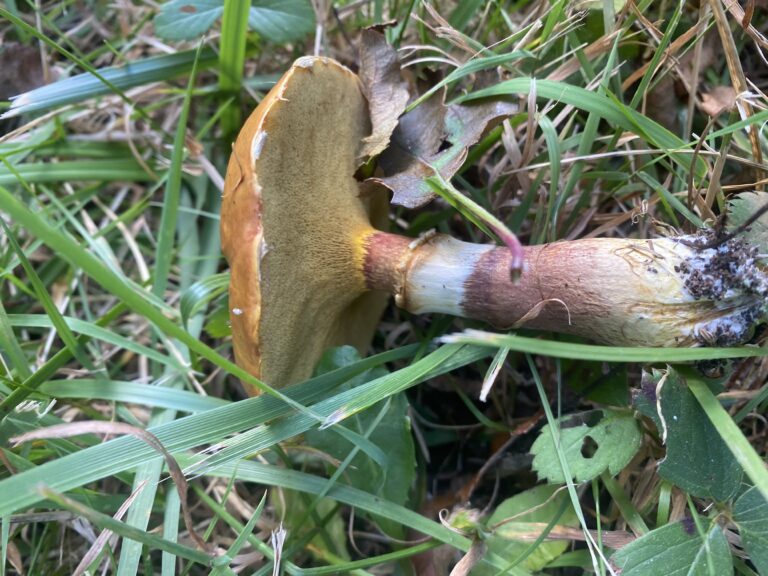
point(726, 272)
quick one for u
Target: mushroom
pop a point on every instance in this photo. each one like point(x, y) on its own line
point(311, 266)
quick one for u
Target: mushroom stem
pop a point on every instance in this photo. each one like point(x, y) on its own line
point(662, 292)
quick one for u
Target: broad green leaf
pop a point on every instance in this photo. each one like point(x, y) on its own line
point(677, 550)
point(741, 207)
point(608, 444)
point(697, 460)
point(392, 481)
point(516, 522)
point(282, 20)
point(187, 19)
point(750, 512)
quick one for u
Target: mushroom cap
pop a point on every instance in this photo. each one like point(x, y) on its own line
point(293, 224)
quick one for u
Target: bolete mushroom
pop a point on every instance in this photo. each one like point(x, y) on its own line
point(311, 266)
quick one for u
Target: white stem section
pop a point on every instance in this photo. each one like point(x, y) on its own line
point(435, 278)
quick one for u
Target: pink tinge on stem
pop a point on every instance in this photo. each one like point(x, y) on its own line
point(512, 242)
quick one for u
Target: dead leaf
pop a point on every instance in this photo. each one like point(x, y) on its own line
point(20, 69)
point(384, 88)
point(434, 137)
point(718, 100)
point(468, 561)
point(15, 558)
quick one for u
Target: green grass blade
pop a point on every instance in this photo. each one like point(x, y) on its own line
point(604, 106)
point(75, 171)
point(11, 348)
point(97, 333)
point(125, 76)
point(169, 215)
point(108, 523)
point(131, 392)
point(234, 30)
point(577, 351)
point(53, 314)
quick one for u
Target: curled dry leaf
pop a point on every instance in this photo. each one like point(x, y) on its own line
point(434, 137)
point(718, 100)
point(384, 88)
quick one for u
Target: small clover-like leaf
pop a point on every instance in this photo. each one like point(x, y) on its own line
point(281, 20)
point(677, 549)
point(609, 445)
point(187, 19)
point(750, 512)
point(697, 459)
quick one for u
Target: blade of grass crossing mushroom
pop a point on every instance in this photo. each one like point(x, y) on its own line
point(115, 456)
point(597, 353)
point(482, 218)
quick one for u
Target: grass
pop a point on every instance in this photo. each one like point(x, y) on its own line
point(113, 305)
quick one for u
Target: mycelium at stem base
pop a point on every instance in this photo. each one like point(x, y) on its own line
point(663, 292)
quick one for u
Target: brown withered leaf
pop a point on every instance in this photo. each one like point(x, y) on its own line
point(20, 70)
point(434, 137)
point(718, 100)
point(384, 88)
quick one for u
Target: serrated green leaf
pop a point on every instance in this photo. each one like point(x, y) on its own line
point(741, 207)
point(750, 512)
point(609, 444)
point(187, 19)
point(676, 549)
point(697, 460)
point(282, 20)
point(531, 510)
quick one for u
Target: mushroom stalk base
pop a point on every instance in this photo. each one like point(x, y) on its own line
point(615, 291)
